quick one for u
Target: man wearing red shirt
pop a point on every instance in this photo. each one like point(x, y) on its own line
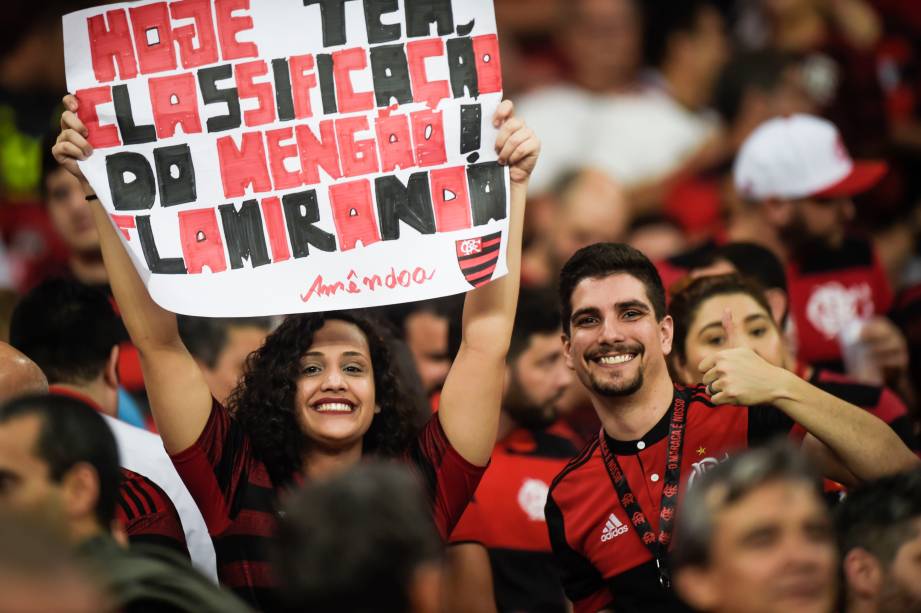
point(800, 177)
point(500, 558)
point(611, 510)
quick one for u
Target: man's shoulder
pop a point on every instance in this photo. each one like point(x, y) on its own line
point(581, 468)
point(153, 575)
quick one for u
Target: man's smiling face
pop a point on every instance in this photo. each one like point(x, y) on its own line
point(615, 340)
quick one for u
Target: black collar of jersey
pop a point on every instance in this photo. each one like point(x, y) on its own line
point(656, 434)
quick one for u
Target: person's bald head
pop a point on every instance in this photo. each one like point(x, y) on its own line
point(592, 208)
point(19, 375)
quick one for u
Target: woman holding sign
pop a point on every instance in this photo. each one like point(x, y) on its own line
point(320, 394)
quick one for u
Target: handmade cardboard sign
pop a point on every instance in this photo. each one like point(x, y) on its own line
point(274, 156)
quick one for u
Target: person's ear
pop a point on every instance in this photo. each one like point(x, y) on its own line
point(80, 491)
point(777, 301)
point(863, 574)
point(666, 333)
point(698, 587)
point(567, 350)
point(110, 374)
point(682, 370)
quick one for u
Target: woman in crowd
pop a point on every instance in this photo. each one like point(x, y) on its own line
point(319, 395)
point(714, 313)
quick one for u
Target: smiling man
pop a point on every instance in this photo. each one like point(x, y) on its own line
point(610, 512)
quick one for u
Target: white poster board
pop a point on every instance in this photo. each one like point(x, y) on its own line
point(264, 157)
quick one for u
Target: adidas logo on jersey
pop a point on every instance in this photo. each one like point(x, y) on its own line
point(612, 528)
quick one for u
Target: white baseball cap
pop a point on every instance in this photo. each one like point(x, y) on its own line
point(801, 156)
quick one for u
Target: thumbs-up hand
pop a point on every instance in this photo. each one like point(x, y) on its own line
point(738, 375)
point(729, 330)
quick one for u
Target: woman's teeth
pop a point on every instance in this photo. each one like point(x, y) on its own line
point(334, 407)
point(616, 359)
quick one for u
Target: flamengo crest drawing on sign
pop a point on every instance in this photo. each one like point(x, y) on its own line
point(264, 157)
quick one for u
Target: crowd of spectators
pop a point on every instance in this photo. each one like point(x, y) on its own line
point(723, 226)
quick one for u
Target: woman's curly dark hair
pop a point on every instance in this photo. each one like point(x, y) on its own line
point(263, 402)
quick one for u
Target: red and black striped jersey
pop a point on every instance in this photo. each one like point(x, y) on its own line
point(147, 514)
point(238, 500)
point(506, 516)
point(602, 560)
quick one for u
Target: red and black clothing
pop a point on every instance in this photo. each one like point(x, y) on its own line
point(238, 500)
point(877, 400)
point(506, 516)
point(602, 560)
point(148, 515)
point(828, 289)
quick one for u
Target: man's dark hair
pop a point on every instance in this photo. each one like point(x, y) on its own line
point(68, 329)
point(353, 542)
point(755, 262)
point(662, 19)
point(879, 516)
point(726, 484)
point(537, 313)
point(206, 337)
point(72, 433)
point(755, 70)
point(602, 260)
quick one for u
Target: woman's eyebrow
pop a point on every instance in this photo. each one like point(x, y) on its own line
point(712, 324)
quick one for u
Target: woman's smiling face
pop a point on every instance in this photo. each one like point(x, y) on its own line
point(335, 397)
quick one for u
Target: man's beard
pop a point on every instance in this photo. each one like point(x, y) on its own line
point(619, 387)
point(527, 413)
point(798, 238)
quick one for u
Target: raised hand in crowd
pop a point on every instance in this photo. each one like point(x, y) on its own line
point(862, 445)
point(320, 393)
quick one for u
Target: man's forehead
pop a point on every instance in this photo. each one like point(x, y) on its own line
point(773, 501)
point(601, 292)
point(19, 435)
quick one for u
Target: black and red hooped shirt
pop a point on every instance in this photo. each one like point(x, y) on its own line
point(148, 515)
point(602, 561)
point(239, 501)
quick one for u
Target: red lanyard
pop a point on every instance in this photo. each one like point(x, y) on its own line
point(656, 544)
